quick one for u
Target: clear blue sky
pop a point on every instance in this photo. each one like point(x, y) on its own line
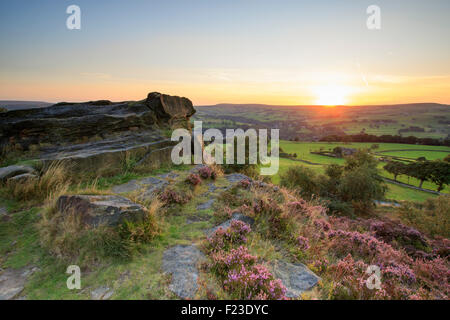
point(226, 51)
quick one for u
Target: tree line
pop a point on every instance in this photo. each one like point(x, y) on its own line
point(437, 171)
point(364, 137)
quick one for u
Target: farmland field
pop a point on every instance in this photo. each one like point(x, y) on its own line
point(395, 192)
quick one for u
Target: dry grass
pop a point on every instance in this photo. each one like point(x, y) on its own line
point(52, 182)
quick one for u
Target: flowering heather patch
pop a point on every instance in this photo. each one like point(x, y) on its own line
point(298, 207)
point(349, 279)
point(320, 265)
point(225, 238)
point(194, 179)
point(364, 245)
point(254, 282)
point(223, 262)
point(390, 231)
point(322, 225)
point(303, 243)
point(170, 196)
point(434, 275)
point(245, 183)
point(441, 247)
point(205, 172)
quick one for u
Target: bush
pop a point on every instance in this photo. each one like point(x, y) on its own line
point(223, 239)
point(194, 179)
point(254, 283)
point(301, 178)
point(170, 196)
point(223, 262)
point(205, 172)
point(361, 184)
point(433, 217)
point(272, 219)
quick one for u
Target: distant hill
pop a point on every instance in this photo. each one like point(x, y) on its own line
point(310, 123)
point(19, 105)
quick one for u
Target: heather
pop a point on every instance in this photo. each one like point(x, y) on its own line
point(412, 264)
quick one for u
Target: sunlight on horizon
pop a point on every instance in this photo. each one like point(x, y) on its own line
point(331, 95)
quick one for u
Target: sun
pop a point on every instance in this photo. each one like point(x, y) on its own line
point(331, 95)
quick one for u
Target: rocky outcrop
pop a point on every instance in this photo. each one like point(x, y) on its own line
point(101, 210)
point(175, 110)
point(98, 134)
point(181, 263)
point(297, 278)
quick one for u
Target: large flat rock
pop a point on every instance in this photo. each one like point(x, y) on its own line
point(297, 278)
point(181, 262)
point(101, 210)
point(98, 136)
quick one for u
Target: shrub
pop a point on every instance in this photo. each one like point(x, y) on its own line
point(434, 275)
point(223, 262)
point(433, 217)
point(365, 246)
point(170, 196)
point(205, 172)
point(303, 243)
point(361, 186)
point(194, 179)
point(301, 178)
point(273, 221)
point(223, 239)
point(398, 234)
point(254, 282)
point(245, 184)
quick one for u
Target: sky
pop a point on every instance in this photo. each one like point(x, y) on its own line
point(249, 51)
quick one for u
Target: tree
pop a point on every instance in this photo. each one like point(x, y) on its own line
point(419, 170)
point(361, 185)
point(439, 173)
point(395, 168)
point(359, 159)
point(301, 178)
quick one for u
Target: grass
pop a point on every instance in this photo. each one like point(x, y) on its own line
point(395, 192)
point(139, 277)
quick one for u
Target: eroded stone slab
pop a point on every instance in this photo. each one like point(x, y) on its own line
point(12, 171)
point(12, 282)
point(21, 178)
point(181, 261)
point(101, 210)
point(170, 175)
point(236, 216)
point(236, 177)
point(149, 186)
point(205, 206)
point(102, 293)
point(297, 278)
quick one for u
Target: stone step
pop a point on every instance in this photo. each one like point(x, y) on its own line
point(181, 262)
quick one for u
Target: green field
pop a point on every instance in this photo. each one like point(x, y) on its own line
point(395, 192)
